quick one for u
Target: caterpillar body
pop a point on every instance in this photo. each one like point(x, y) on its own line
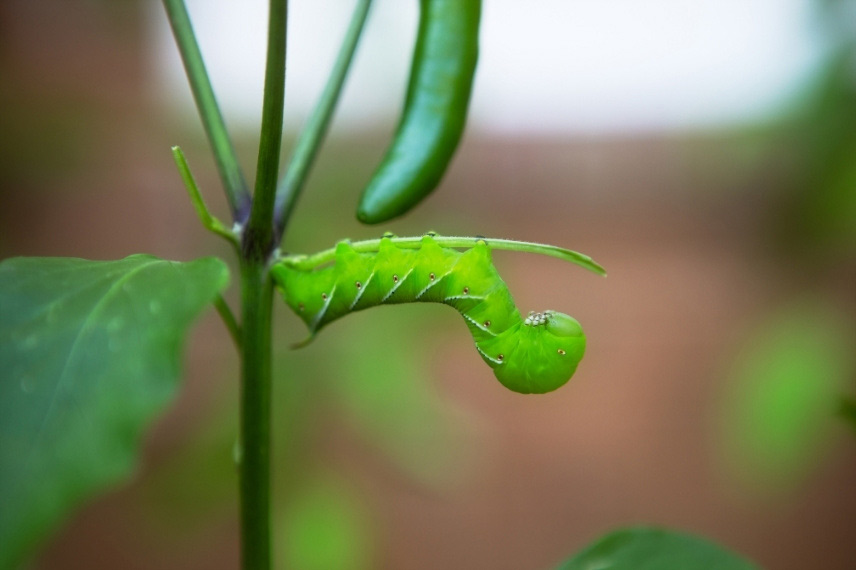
point(536, 354)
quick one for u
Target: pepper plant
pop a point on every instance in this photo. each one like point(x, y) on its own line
point(90, 350)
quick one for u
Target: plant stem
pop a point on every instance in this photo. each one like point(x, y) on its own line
point(254, 468)
point(370, 245)
point(313, 134)
point(257, 305)
point(270, 143)
point(234, 183)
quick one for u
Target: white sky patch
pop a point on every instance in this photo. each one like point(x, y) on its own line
point(554, 66)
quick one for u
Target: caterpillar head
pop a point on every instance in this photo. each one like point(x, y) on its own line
point(538, 355)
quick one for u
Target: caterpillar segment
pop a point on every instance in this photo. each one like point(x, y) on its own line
point(535, 354)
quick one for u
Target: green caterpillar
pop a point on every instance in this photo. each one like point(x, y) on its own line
point(535, 354)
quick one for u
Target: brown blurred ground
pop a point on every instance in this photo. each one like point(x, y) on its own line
point(681, 222)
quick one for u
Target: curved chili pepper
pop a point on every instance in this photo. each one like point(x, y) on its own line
point(435, 110)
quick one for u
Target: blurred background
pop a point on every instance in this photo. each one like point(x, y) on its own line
point(704, 152)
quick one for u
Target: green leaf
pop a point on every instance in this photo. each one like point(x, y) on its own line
point(90, 353)
point(654, 549)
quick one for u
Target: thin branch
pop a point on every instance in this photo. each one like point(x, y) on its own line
point(229, 320)
point(234, 183)
point(209, 221)
point(313, 134)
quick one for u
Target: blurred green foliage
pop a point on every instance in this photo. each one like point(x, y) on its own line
point(780, 406)
point(785, 388)
point(818, 217)
point(326, 526)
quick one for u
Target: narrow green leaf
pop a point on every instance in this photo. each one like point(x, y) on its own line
point(654, 549)
point(90, 353)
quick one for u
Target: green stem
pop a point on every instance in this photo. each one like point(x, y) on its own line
point(229, 320)
point(326, 256)
point(312, 136)
point(210, 222)
point(256, 308)
point(270, 143)
point(237, 192)
point(255, 445)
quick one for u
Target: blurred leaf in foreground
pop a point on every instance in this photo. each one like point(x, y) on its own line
point(90, 353)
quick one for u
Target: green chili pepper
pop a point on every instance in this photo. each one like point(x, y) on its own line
point(435, 110)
